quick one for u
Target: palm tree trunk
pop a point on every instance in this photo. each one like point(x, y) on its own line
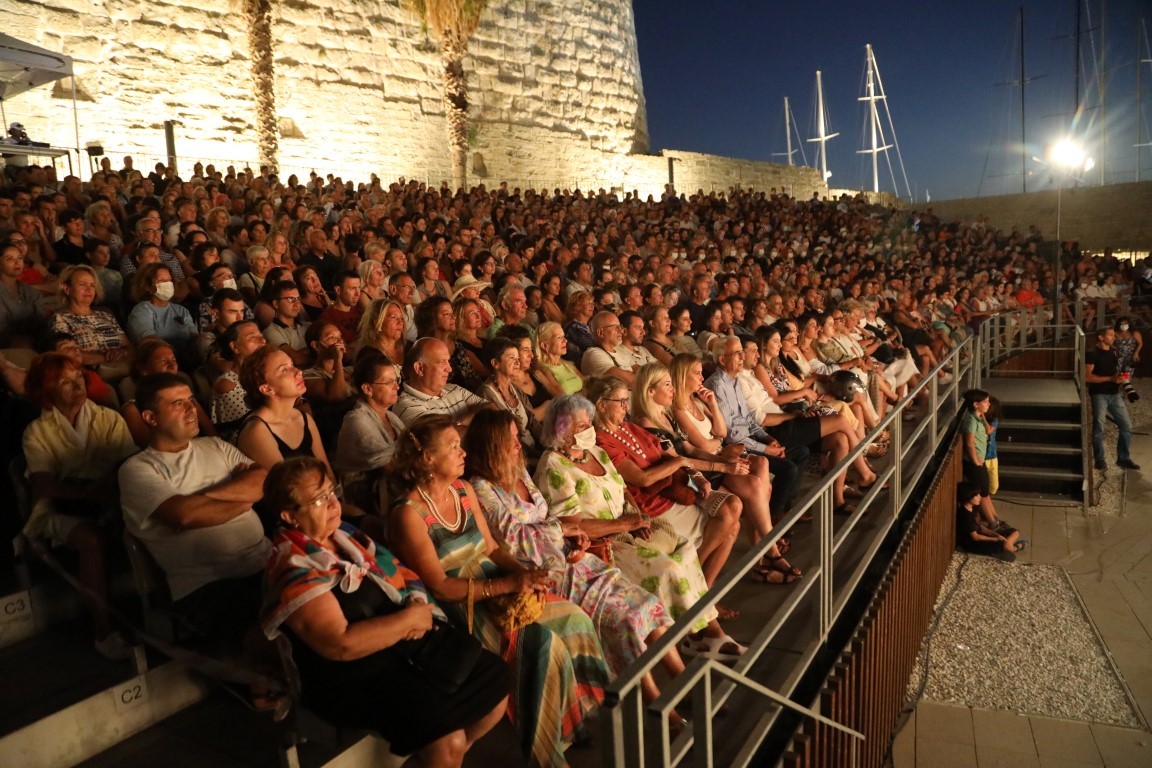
point(259, 16)
point(456, 109)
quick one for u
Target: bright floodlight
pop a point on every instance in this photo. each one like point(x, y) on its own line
point(1069, 154)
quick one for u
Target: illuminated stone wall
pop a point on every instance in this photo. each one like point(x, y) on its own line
point(557, 98)
point(1113, 216)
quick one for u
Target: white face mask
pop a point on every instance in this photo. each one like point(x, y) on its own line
point(165, 290)
point(586, 439)
point(229, 283)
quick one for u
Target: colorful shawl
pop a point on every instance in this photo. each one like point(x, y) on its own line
point(300, 570)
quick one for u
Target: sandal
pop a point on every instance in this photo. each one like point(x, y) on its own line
point(876, 450)
point(773, 576)
point(712, 647)
point(852, 493)
point(863, 487)
point(845, 509)
point(783, 546)
point(781, 565)
point(726, 614)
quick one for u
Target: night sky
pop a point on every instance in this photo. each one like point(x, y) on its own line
point(716, 73)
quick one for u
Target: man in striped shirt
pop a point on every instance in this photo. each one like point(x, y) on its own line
point(426, 388)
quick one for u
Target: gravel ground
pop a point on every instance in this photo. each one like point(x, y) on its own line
point(1014, 637)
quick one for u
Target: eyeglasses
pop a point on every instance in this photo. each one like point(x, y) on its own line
point(323, 500)
point(620, 400)
point(290, 299)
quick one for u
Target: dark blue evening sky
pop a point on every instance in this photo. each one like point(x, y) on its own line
point(716, 73)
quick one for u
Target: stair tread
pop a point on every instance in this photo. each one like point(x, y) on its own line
point(1038, 424)
point(1019, 446)
point(1055, 474)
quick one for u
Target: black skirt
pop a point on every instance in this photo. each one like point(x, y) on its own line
point(384, 694)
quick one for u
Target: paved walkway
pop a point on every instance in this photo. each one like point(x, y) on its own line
point(1109, 557)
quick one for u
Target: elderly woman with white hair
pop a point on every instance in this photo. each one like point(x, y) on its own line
point(586, 494)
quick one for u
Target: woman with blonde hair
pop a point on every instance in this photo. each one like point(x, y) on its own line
point(279, 250)
point(673, 405)
point(557, 374)
point(99, 336)
point(372, 280)
point(382, 329)
point(438, 531)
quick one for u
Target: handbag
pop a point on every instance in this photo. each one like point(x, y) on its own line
point(511, 612)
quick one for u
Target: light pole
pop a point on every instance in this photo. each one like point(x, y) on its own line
point(1066, 158)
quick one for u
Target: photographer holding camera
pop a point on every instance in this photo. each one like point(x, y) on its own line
point(1104, 379)
point(1128, 344)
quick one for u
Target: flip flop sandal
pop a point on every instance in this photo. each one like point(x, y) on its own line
point(845, 509)
point(876, 450)
point(787, 567)
point(852, 493)
point(712, 648)
point(773, 576)
point(726, 614)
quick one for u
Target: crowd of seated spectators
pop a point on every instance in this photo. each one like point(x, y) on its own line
point(558, 409)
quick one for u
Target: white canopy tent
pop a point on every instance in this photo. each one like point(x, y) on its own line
point(24, 66)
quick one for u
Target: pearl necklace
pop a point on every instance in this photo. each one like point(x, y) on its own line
point(628, 441)
point(453, 527)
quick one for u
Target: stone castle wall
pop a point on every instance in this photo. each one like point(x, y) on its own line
point(1114, 216)
point(557, 97)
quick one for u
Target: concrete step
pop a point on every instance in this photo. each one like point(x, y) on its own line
point(1039, 431)
point(1042, 480)
point(1049, 456)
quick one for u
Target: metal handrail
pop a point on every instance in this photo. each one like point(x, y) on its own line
point(625, 725)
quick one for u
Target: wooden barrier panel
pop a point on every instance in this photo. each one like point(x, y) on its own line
point(865, 690)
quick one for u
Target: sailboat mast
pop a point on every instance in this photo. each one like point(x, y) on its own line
point(788, 129)
point(823, 138)
point(822, 134)
point(873, 118)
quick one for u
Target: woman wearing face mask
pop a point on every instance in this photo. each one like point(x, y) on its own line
point(156, 314)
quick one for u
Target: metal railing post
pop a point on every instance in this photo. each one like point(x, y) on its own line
point(824, 536)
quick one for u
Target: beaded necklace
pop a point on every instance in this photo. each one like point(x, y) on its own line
point(628, 441)
point(453, 527)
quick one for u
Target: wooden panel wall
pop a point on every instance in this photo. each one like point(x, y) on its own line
point(865, 690)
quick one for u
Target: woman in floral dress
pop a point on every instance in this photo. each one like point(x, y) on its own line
point(584, 491)
point(626, 617)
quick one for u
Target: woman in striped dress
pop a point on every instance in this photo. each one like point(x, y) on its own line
point(557, 661)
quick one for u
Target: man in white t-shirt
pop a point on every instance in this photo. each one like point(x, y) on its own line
point(189, 500)
point(608, 357)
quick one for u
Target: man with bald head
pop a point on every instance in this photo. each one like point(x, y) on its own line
point(426, 388)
